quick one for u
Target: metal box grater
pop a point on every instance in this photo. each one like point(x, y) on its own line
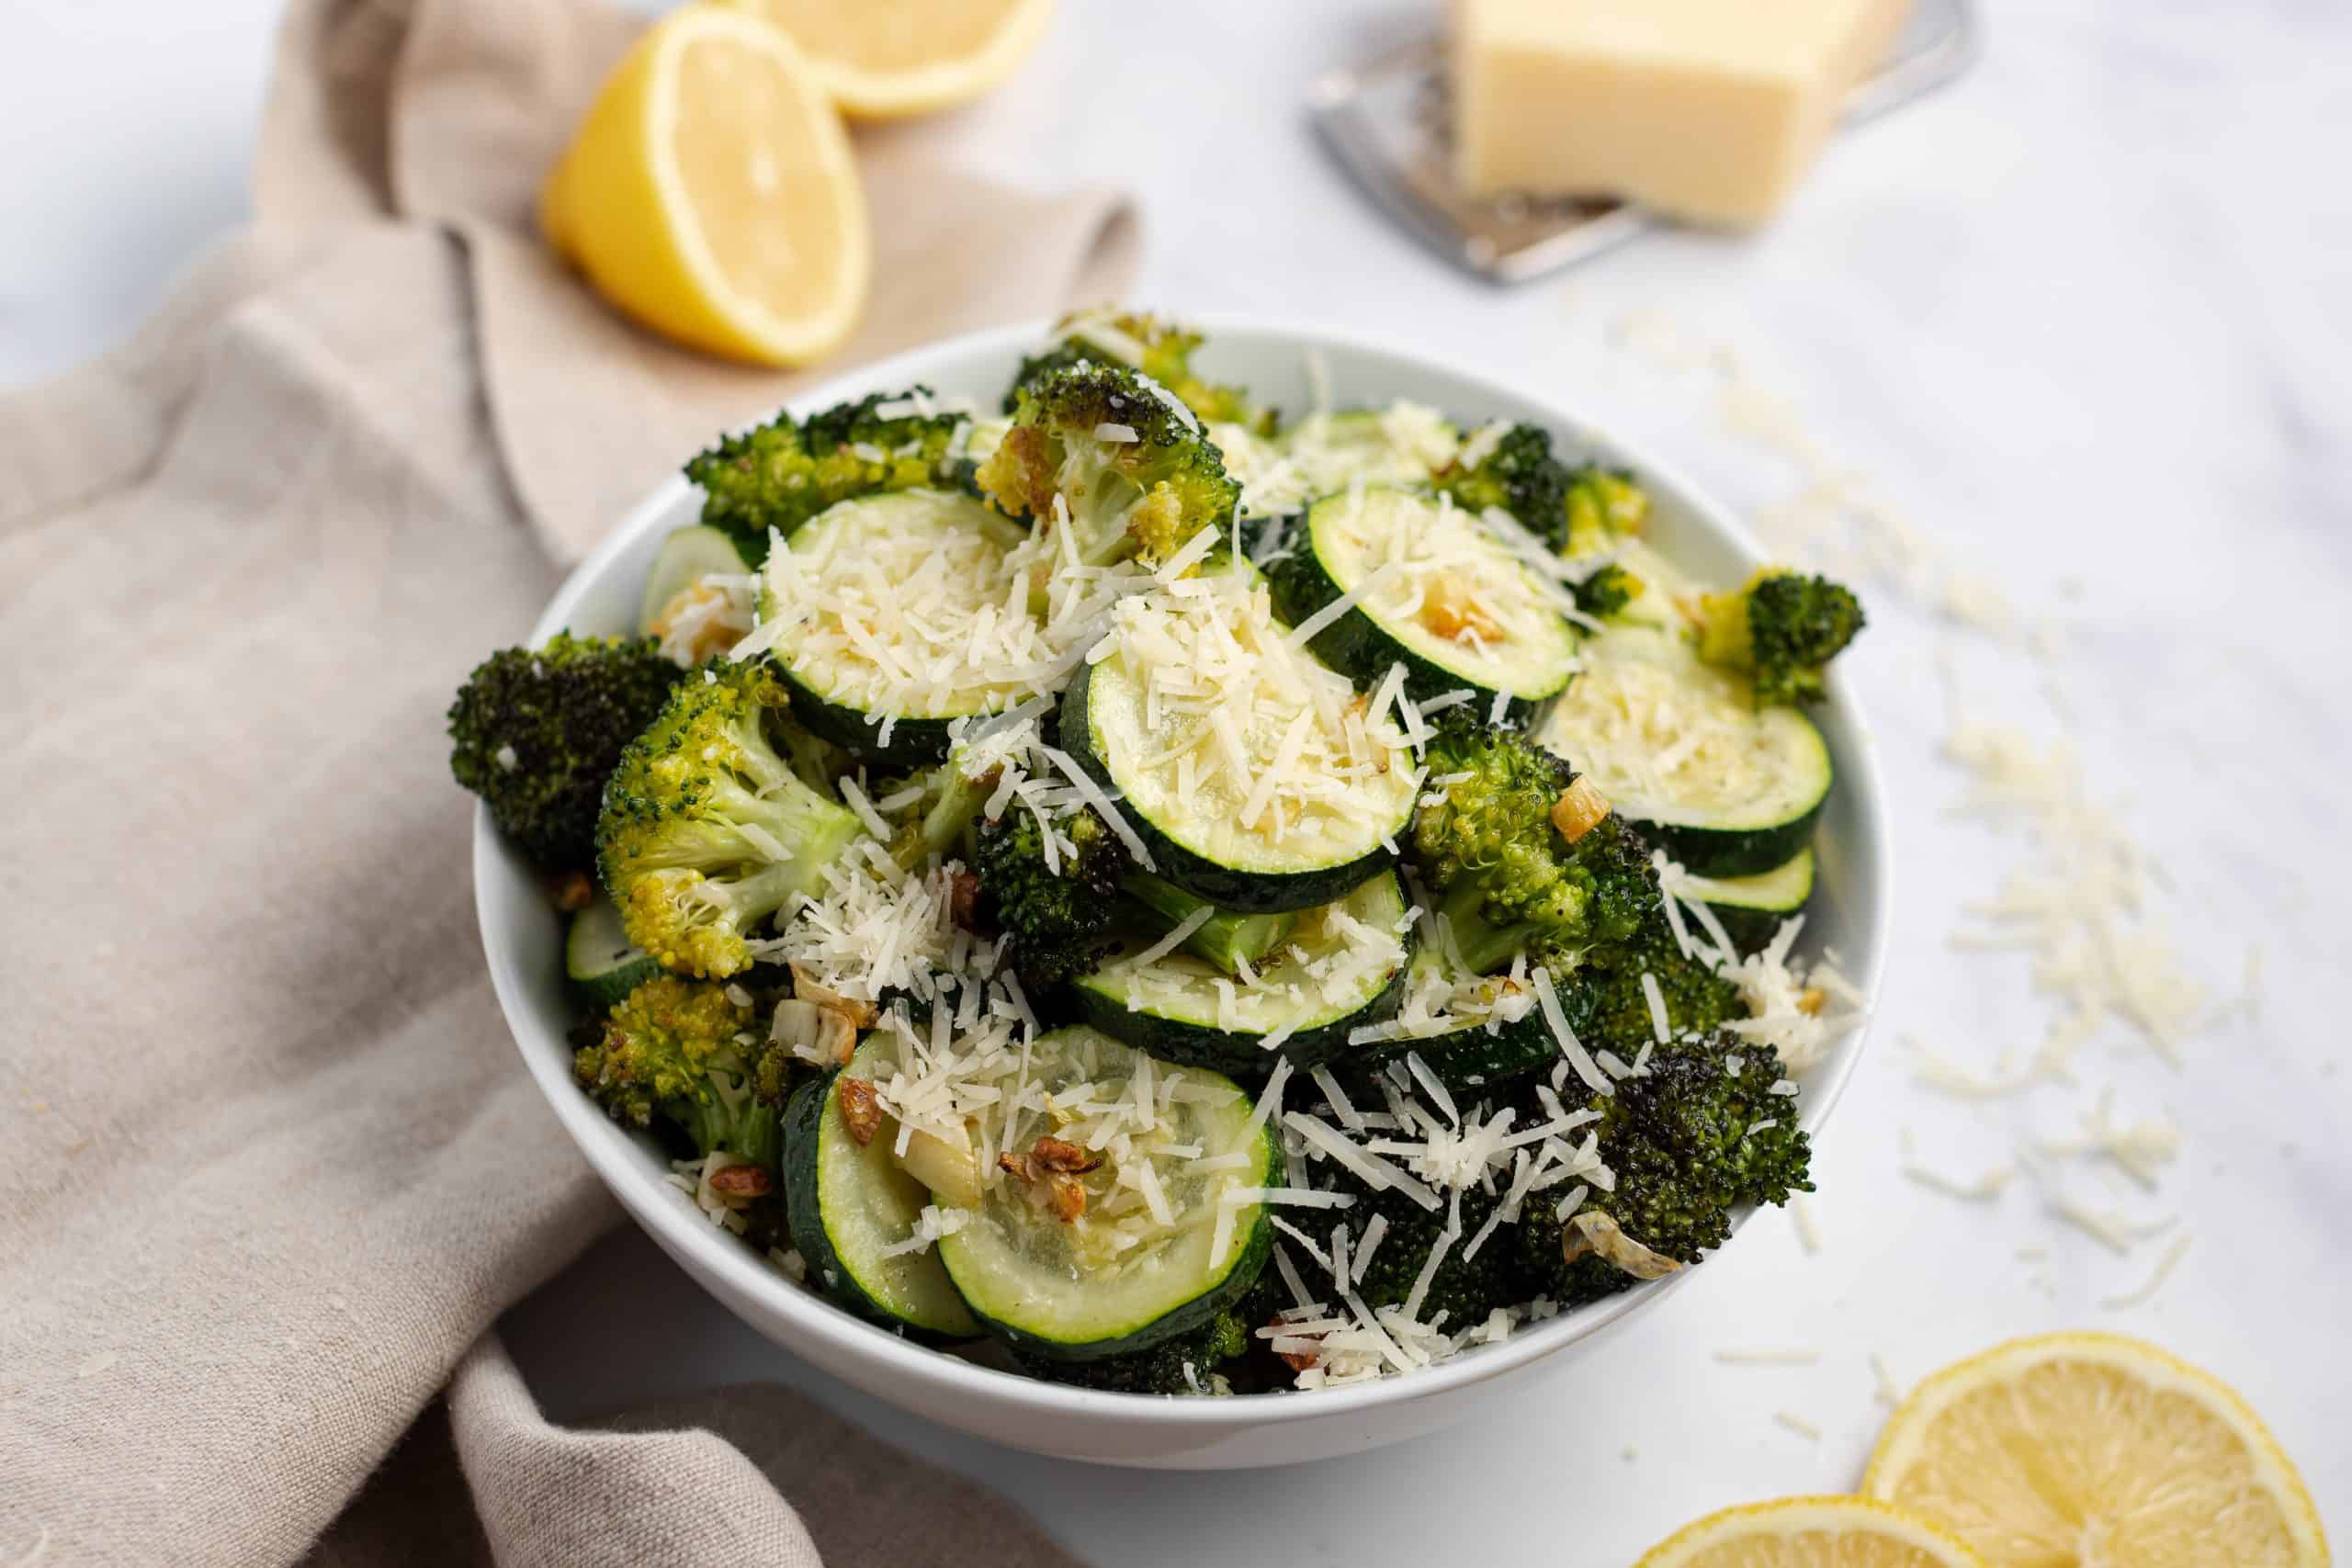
point(1385, 121)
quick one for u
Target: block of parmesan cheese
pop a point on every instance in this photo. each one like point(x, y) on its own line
point(1709, 110)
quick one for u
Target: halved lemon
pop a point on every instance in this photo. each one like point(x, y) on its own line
point(2095, 1448)
point(1810, 1532)
point(889, 58)
point(709, 193)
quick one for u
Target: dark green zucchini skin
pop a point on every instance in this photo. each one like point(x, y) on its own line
point(1464, 1060)
point(1250, 1254)
point(1251, 892)
point(804, 1215)
point(1357, 647)
point(1734, 851)
point(1751, 925)
point(1234, 1054)
point(914, 742)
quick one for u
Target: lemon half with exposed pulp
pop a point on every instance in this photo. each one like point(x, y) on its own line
point(1810, 1532)
point(2095, 1449)
point(886, 59)
point(709, 194)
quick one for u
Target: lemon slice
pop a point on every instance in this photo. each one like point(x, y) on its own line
point(2093, 1449)
point(887, 59)
point(1810, 1532)
point(709, 194)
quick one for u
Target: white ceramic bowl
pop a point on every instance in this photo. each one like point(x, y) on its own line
point(524, 945)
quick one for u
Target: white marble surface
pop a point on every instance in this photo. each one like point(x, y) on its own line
point(2091, 304)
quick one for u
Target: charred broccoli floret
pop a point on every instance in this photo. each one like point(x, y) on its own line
point(706, 831)
point(1781, 629)
point(673, 1048)
point(1600, 508)
point(1487, 841)
point(1467, 1285)
point(780, 474)
point(1606, 1005)
point(536, 732)
point(1056, 915)
point(1144, 493)
point(1060, 918)
point(1687, 1142)
point(1603, 507)
point(1517, 474)
point(1161, 350)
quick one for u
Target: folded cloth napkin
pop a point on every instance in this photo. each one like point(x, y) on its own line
point(269, 1168)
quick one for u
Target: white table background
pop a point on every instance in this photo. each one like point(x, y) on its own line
point(2095, 302)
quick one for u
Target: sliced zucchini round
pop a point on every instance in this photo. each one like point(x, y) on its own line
point(1751, 909)
point(1164, 762)
point(599, 958)
point(1402, 443)
point(1726, 786)
point(1452, 603)
point(1116, 1278)
point(685, 558)
point(875, 588)
point(847, 1202)
point(1463, 1056)
point(1342, 967)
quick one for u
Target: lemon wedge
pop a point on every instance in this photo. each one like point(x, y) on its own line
point(2093, 1449)
point(710, 195)
point(1810, 1532)
point(889, 58)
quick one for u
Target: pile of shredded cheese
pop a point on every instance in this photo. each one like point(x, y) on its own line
point(1249, 729)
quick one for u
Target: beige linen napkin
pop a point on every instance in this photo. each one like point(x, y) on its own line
point(268, 1165)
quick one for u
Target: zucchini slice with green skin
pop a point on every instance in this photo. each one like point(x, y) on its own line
point(1196, 837)
point(846, 1202)
point(1170, 1006)
point(951, 545)
point(1752, 908)
point(1746, 781)
point(1456, 608)
point(1064, 1289)
point(685, 558)
point(598, 957)
point(1464, 1058)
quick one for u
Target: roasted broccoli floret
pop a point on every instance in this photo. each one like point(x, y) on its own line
point(536, 732)
point(1466, 1284)
point(780, 474)
point(1687, 1141)
point(1055, 917)
point(1518, 474)
point(706, 831)
point(1781, 629)
point(1061, 918)
point(1486, 839)
point(1161, 350)
point(1603, 507)
point(673, 1048)
point(1145, 496)
point(1606, 1005)
point(1599, 509)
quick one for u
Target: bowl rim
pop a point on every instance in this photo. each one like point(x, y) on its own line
point(828, 1331)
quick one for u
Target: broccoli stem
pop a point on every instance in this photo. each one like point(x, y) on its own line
point(946, 825)
point(1485, 947)
point(1226, 940)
